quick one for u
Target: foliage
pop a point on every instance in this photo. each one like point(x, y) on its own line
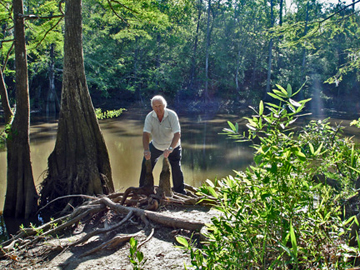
point(136, 256)
point(135, 49)
point(3, 135)
point(277, 214)
point(108, 114)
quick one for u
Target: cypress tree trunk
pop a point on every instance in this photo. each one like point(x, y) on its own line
point(79, 163)
point(21, 196)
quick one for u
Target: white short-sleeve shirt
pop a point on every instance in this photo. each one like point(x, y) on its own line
point(162, 132)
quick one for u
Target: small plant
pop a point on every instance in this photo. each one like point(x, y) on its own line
point(108, 114)
point(136, 257)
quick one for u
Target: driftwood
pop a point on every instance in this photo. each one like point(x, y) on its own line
point(34, 237)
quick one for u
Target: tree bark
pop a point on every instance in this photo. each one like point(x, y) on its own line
point(21, 196)
point(79, 163)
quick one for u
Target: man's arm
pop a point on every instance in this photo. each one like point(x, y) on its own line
point(173, 144)
point(146, 141)
point(175, 140)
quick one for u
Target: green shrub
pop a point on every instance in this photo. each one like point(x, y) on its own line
point(281, 213)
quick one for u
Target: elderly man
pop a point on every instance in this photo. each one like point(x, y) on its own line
point(162, 124)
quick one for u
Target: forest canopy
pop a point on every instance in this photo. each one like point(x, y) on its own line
point(192, 49)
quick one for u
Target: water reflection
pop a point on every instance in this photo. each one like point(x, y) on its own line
point(206, 154)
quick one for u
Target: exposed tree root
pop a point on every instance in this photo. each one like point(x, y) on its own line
point(112, 243)
point(30, 242)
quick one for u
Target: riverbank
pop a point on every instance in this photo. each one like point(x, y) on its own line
point(158, 242)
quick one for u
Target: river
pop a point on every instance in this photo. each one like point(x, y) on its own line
point(206, 153)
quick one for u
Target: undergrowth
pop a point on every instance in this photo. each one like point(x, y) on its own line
point(287, 210)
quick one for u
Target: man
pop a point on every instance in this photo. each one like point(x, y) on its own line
point(162, 124)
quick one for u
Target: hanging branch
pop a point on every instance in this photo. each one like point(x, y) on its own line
point(3, 4)
point(48, 31)
point(122, 5)
point(8, 54)
point(332, 15)
point(116, 14)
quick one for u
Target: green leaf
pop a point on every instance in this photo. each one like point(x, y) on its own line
point(212, 191)
point(251, 107)
point(293, 240)
point(274, 105)
point(133, 242)
point(319, 149)
point(182, 241)
point(258, 159)
point(209, 183)
point(261, 108)
point(289, 90)
point(304, 101)
point(279, 93)
point(282, 89)
point(300, 154)
point(275, 96)
point(251, 127)
point(312, 151)
point(140, 256)
point(231, 125)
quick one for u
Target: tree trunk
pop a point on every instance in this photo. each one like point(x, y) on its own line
point(206, 91)
point(80, 162)
point(303, 65)
point(52, 102)
point(194, 55)
point(271, 43)
point(21, 196)
point(5, 100)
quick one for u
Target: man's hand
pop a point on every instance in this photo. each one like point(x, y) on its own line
point(167, 152)
point(147, 154)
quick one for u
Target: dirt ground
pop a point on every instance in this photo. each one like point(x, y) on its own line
point(160, 251)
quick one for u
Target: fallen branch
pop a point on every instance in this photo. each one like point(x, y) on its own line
point(103, 230)
point(112, 243)
point(172, 222)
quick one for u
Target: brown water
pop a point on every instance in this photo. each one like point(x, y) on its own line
point(206, 154)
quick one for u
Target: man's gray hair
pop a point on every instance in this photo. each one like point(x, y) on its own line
point(158, 97)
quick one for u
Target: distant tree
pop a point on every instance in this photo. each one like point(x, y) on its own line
point(4, 99)
point(5, 10)
point(79, 163)
point(21, 196)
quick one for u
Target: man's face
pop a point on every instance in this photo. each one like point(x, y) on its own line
point(158, 107)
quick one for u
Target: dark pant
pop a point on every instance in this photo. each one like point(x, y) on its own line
point(175, 162)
